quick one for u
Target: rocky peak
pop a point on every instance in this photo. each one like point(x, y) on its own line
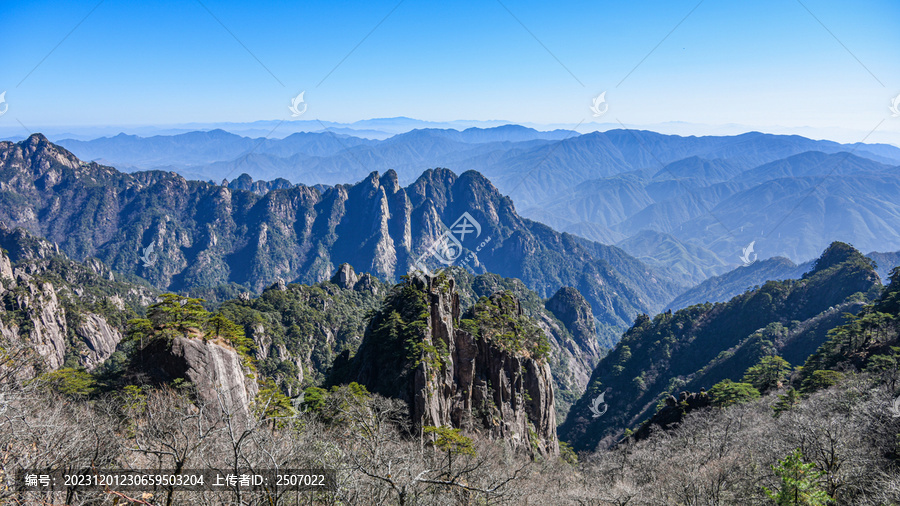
point(344, 277)
point(469, 378)
point(245, 182)
point(433, 187)
point(371, 182)
point(36, 153)
point(391, 181)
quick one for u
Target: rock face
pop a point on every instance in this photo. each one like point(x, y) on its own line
point(345, 277)
point(214, 368)
point(38, 319)
point(583, 352)
point(575, 313)
point(44, 328)
point(566, 320)
point(6, 271)
point(464, 381)
point(59, 308)
point(100, 338)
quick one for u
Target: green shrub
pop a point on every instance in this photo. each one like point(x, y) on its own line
point(271, 403)
point(314, 398)
point(567, 453)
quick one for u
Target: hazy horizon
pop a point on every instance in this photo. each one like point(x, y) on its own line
point(276, 129)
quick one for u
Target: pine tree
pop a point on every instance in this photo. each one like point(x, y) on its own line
point(786, 401)
point(451, 441)
point(175, 313)
point(768, 373)
point(727, 392)
point(800, 483)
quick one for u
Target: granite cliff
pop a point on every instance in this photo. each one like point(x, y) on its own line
point(220, 378)
point(485, 370)
point(69, 314)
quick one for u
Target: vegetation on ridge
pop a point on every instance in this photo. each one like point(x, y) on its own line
point(497, 319)
point(704, 344)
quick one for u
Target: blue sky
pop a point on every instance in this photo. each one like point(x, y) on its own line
point(762, 63)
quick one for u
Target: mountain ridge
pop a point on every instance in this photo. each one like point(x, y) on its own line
point(658, 355)
point(717, 192)
point(206, 235)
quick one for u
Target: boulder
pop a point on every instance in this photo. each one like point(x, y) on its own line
point(220, 380)
point(345, 277)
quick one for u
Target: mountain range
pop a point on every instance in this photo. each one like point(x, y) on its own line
point(709, 197)
point(470, 322)
point(522, 328)
point(191, 235)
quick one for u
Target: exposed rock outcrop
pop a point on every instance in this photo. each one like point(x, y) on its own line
point(566, 320)
point(458, 378)
point(6, 271)
point(367, 283)
point(100, 338)
point(59, 308)
point(671, 415)
point(345, 277)
point(41, 322)
point(575, 313)
point(35, 316)
point(582, 352)
point(215, 369)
